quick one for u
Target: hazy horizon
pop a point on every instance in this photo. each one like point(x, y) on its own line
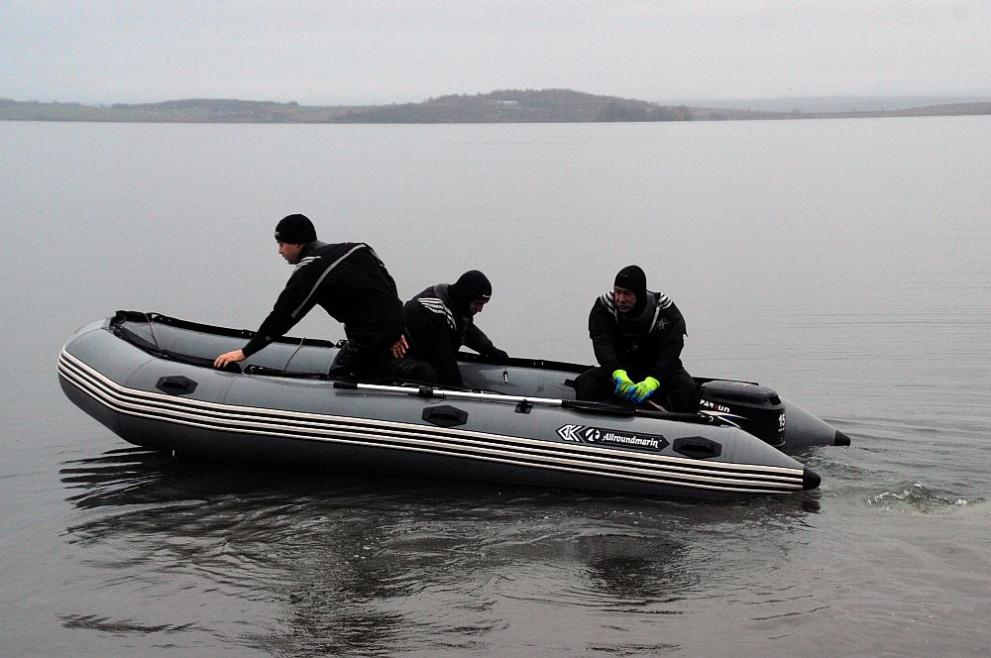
point(716, 102)
point(374, 52)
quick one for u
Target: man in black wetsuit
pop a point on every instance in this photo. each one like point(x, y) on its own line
point(350, 282)
point(439, 321)
point(638, 336)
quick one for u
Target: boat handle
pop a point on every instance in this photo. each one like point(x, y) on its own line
point(176, 385)
point(697, 447)
point(445, 416)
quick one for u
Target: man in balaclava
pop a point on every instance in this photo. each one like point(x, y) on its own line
point(350, 282)
point(637, 336)
point(439, 320)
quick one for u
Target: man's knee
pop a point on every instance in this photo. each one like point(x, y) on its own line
point(417, 371)
point(683, 393)
point(589, 385)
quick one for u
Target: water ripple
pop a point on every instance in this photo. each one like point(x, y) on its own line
point(918, 497)
point(120, 627)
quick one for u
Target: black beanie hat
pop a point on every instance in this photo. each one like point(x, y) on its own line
point(295, 229)
point(632, 278)
point(470, 286)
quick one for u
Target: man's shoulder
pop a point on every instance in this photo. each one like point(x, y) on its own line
point(604, 303)
point(435, 308)
point(666, 306)
point(663, 301)
point(326, 254)
point(666, 315)
point(430, 291)
point(307, 260)
point(313, 253)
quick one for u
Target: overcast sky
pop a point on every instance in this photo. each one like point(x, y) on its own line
point(368, 51)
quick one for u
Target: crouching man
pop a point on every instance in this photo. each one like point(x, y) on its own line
point(637, 336)
point(441, 319)
point(350, 282)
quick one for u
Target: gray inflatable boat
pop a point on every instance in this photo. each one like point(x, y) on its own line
point(149, 378)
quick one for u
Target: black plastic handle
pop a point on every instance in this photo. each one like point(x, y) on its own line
point(445, 416)
point(697, 447)
point(176, 385)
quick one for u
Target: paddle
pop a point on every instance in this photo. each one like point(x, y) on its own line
point(444, 393)
point(586, 406)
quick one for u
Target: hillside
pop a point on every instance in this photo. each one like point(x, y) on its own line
point(519, 106)
point(503, 106)
point(197, 110)
point(555, 105)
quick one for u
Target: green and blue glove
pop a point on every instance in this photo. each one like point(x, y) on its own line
point(624, 385)
point(644, 390)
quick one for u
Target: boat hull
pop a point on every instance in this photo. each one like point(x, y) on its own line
point(167, 405)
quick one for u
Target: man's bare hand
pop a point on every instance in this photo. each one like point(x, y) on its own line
point(399, 347)
point(229, 357)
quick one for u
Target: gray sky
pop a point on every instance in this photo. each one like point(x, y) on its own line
point(369, 51)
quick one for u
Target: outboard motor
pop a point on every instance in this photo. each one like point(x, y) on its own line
point(756, 409)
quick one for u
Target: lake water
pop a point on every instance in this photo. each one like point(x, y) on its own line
point(844, 263)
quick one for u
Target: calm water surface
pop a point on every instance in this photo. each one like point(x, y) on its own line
point(842, 262)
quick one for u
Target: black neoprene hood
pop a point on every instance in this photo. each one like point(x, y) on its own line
point(470, 286)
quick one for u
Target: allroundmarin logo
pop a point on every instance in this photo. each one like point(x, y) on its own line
point(599, 435)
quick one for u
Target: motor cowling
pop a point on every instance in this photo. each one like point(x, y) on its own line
point(756, 409)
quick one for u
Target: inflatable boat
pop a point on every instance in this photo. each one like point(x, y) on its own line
point(149, 378)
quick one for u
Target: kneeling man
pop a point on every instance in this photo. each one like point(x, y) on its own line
point(438, 322)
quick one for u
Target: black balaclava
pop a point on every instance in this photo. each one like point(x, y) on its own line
point(470, 286)
point(295, 229)
point(632, 278)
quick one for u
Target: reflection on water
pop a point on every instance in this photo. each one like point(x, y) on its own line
point(636, 571)
point(91, 622)
point(109, 478)
point(345, 564)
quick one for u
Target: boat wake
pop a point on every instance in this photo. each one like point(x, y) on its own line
point(917, 497)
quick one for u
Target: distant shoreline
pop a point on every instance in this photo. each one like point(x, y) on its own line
point(504, 106)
